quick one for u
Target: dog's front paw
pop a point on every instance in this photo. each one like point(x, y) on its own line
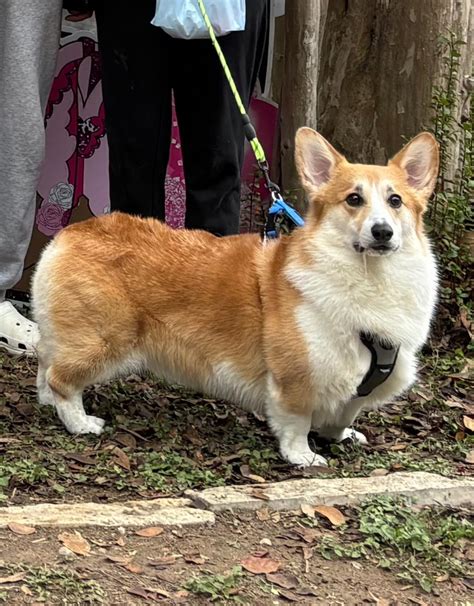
point(303, 458)
point(355, 436)
point(89, 424)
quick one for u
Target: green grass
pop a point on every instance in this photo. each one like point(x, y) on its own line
point(421, 545)
point(58, 585)
point(217, 587)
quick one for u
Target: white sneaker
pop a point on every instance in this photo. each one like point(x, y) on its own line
point(18, 336)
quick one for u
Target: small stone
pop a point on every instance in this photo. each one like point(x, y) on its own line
point(121, 530)
point(266, 542)
point(66, 554)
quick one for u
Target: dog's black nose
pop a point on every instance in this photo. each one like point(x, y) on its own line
point(382, 232)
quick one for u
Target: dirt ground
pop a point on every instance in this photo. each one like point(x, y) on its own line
point(160, 441)
point(123, 568)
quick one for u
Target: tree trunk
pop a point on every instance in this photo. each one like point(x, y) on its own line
point(379, 61)
point(299, 92)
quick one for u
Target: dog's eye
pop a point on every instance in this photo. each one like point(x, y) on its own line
point(395, 201)
point(354, 200)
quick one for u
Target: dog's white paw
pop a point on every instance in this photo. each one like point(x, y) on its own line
point(89, 424)
point(303, 458)
point(355, 436)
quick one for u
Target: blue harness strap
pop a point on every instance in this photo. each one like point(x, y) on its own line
point(382, 362)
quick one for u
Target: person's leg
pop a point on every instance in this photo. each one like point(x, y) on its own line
point(211, 130)
point(29, 41)
point(137, 98)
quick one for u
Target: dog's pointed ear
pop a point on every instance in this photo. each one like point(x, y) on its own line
point(419, 159)
point(315, 159)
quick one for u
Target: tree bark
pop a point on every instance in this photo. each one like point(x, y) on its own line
point(379, 61)
point(299, 92)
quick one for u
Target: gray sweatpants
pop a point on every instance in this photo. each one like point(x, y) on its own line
point(29, 40)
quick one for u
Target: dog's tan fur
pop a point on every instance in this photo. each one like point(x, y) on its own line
point(216, 314)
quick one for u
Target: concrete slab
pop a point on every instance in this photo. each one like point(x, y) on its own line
point(423, 488)
point(156, 512)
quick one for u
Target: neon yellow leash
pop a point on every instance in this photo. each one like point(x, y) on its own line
point(248, 127)
point(279, 207)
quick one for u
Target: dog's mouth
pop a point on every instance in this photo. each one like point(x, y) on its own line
point(375, 249)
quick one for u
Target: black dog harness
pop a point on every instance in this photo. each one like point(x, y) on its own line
point(382, 362)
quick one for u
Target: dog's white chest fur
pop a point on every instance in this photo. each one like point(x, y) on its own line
point(391, 298)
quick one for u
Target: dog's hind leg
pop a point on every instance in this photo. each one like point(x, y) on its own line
point(66, 385)
point(45, 394)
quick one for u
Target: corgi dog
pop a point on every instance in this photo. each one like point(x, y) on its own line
point(273, 326)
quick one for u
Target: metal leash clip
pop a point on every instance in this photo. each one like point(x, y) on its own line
point(279, 209)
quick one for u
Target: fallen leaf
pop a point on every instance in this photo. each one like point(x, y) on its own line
point(307, 534)
point(126, 439)
point(379, 601)
point(263, 515)
point(305, 590)
point(160, 591)
point(120, 541)
point(308, 510)
point(332, 514)
point(121, 458)
point(165, 560)
point(75, 542)
point(287, 581)
point(151, 531)
point(257, 565)
point(122, 560)
point(255, 478)
point(468, 582)
point(468, 422)
point(132, 567)
point(139, 591)
point(245, 471)
point(399, 446)
point(21, 528)
point(290, 596)
point(258, 493)
point(80, 458)
point(13, 578)
point(454, 403)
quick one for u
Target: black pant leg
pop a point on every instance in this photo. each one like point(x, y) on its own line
point(137, 96)
point(212, 136)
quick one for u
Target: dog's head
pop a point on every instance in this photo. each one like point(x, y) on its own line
point(371, 209)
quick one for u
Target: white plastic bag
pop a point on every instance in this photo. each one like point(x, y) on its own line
point(183, 18)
